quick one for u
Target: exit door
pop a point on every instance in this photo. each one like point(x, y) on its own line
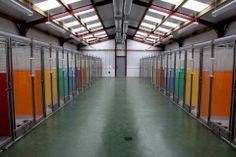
point(120, 67)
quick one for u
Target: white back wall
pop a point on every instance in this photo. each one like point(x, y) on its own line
point(136, 51)
point(106, 51)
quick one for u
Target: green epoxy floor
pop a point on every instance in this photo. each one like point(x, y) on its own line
point(95, 123)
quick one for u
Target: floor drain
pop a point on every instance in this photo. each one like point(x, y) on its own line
point(128, 138)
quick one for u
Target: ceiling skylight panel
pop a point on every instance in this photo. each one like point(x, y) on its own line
point(94, 25)
point(154, 37)
point(98, 28)
point(79, 29)
point(100, 33)
point(102, 36)
point(142, 33)
point(152, 19)
point(48, 5)
point(163, 29)
point(150, 39)
point(195, 5)
point(174, 2)
point(84, 12)
point(91, 39)
point(71, 1)
point(71, 24)
point(178, 18)
point(170, 24)
point(144, 24)
point(88, 36)
point(139, 36)
point(64, 18)
point(89, 19)
point(158, 12)
point(145, 29)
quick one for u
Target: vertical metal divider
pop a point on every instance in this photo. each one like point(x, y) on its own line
point(232, 119)
point(156, 71)
point(43, 82)
point(73, 72)
point(58, 85)
point(76, 70)
point(51, 81)
point(63, 75)
point(32, 80)
point(211, 86)
point(200, 83)
point(179, 76)
point(174, 98)
point(185, 71)
point(68, 71)
point(167, 73)
point(191, 81)
point(10, 89)
point(161, 73)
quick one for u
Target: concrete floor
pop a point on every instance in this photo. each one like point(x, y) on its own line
point(121, 118)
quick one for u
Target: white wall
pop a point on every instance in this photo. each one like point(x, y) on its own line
point(106, 51)
point(136, 51)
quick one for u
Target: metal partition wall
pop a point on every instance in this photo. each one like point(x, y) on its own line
point(204, 83)
point(22, 81)
point(5, 128)
point(78, 72)
point(222, 87)
point(189, 78)
point(158, 72)
point(37, 83)
point(34, 83)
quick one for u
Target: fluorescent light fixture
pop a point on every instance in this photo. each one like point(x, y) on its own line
point(152, 19)
point(21, 8)
point(195, 5)
point(174, 2)
point(167, 38)
point(48, 5)
point(94, 25)
point(224, 8)
point(178, 18)
point(79, 29)
point(71, 1)
point(125, 26)
point(158, 12)
point(142, 33)
point(170, 24)
point(147, 25)
point(84, 12)
point(88, 36)
point(75, 37)
point(157, 43)
point(71, 24)
point(99, 33)
point(163, 29)
point(188, 27)
point(55, 27)
point(127, 7)
point(89, 19)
